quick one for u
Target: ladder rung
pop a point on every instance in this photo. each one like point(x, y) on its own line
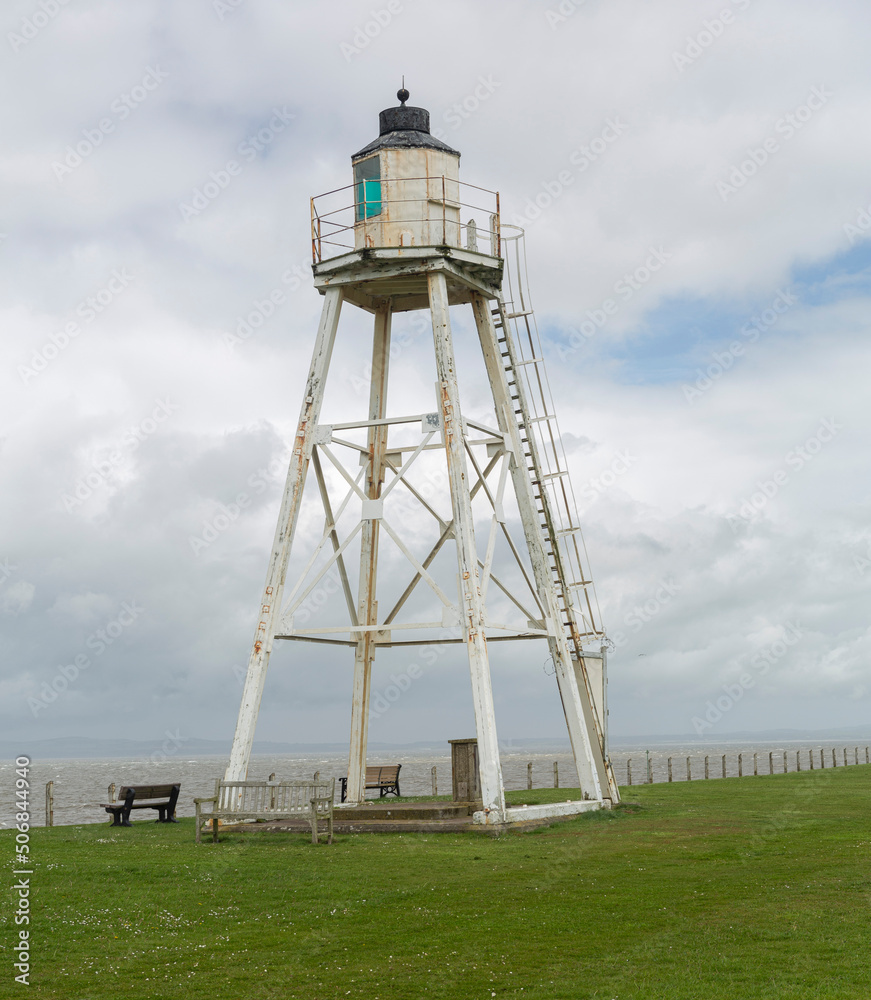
point(538, 420)
point(517, 315)
point(530, 361)
point(554, 475)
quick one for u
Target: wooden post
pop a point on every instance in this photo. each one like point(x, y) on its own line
point(867, 760)
point(798, 760)
point(272, 792)
point(316, 776)
point(834, 758)
point(810, 758)
point(529, 775)
point(112, 792)
point(555, 774)
point(784, 762)
point(845, 756)
point(855, 755)
point(706, 766)
point(669, 769)
point(629, 771)
point(435, 786)
point(755, 765)
point(49, 803)
point(649, 772)
point(771, 762)
point(740, 765)
point(724, 765)
point(689, 770)
point(822, 759)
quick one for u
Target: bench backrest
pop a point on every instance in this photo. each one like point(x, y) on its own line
point(261, 797)
point(386, 775)
point(148, 791)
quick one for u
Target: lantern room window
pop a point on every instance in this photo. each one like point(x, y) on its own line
point(367, 180)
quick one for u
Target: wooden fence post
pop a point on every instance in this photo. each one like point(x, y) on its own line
point(798, 760)
point(112, 792)
point(822, 759)
point(784, 762)
point(845, 756)
point(555, 774)
point(867, 760)
point(724, 765)
point(317, 775)
point(771, 762)
point(435, 784)
point(649, 772)
point(810, 757)
point(855, 755)
point(834, 758)
point(529, 775)
point(755, 765)
point(689, 771)
point(740, 765)
point(272, 791)
point(706, 766)
point(49, 803)
point(669, 768)
point(629, 771)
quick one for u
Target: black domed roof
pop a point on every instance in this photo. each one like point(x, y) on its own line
point(404, 128)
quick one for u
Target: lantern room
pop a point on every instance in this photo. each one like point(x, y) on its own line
point(406, 184)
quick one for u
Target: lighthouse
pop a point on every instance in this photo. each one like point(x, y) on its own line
point(501, 557)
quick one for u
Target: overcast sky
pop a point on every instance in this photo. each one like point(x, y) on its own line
point(705, 166)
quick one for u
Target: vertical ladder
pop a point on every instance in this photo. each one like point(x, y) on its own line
point(546, 466)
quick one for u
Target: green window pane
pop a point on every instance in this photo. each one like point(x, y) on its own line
point(368, 199)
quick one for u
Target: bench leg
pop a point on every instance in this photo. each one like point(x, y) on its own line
point(214, 831)
point(330, 824)
point(314, 823)
point(199, 824)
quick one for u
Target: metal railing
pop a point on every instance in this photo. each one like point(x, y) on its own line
point(335, 222)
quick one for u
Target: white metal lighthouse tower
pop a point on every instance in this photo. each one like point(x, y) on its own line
point(409, 235)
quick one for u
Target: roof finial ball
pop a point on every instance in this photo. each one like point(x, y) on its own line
point(403, 94)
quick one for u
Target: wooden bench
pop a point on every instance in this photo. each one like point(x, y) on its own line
point(135, 796)
point(385, 778)
point(238, 801)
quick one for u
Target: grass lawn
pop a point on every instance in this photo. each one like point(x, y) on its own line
point(741, 889)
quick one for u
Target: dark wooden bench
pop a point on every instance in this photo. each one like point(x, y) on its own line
point(385, 779)
point(142, 797)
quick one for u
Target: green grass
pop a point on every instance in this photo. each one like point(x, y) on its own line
point(740, 889)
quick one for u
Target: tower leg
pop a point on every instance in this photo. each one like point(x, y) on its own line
point(471, 602)
point(570, 694)
point(273, 589)
point(367, 605)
